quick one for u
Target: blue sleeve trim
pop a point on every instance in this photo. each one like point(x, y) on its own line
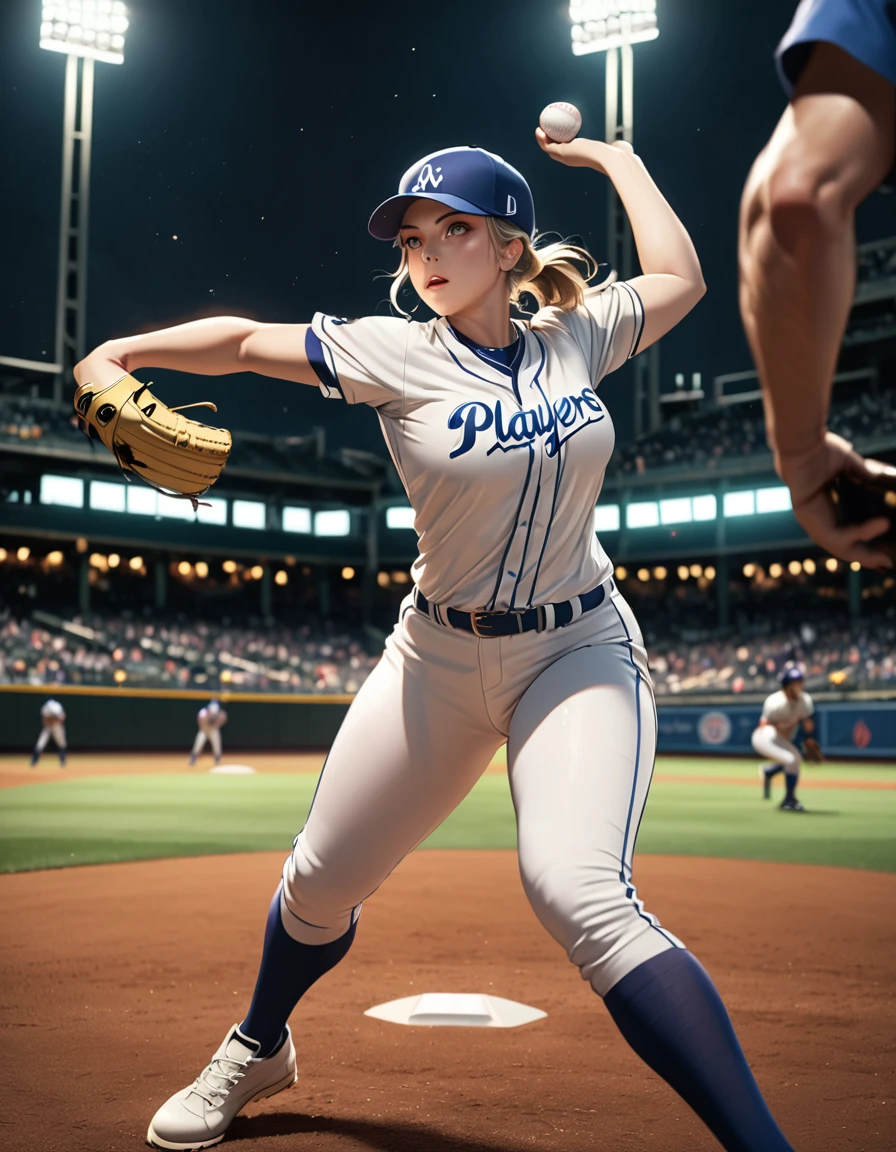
point(314, 350)
point(639, 319)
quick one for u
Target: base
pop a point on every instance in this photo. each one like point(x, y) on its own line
point(457, 1009)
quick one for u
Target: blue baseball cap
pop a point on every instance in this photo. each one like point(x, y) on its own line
point(466, 179)
point(790, 674)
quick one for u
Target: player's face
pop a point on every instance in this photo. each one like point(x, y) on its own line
point(793, 690)
point(452, 262)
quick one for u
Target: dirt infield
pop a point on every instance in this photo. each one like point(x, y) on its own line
point(121, 980)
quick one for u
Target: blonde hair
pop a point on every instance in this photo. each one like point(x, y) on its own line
point(548, 273)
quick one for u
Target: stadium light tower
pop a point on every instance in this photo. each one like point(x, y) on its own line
point(85, 30)
point(613, 26)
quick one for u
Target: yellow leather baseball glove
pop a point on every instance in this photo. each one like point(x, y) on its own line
point(174, 455)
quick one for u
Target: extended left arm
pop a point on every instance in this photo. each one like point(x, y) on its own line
point(672, 281)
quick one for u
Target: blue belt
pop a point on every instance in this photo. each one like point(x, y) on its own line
point(487, 625)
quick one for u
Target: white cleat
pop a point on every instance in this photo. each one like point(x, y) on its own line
point(199, 1116)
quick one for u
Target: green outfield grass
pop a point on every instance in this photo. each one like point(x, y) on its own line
point(113, 818)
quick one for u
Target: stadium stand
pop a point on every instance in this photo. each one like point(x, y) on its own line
point(181, 654)
point(703, 440)
point(687, 654)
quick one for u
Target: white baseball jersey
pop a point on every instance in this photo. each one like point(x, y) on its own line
point(52, 712)
point(211, 718)
point(502, 464)
point(785, 715)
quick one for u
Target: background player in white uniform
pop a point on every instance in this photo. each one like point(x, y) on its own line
point(209, 720)
point(782, 714)
point(52, 723)
point(515, 630)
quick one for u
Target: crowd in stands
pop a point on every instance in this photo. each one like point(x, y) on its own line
point(21, 419)
point(704, 440)
point(687, 654)
point(137, 653)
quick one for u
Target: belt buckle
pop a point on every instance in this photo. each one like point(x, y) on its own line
point(475, 622)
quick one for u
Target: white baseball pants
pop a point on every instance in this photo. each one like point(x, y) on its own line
point(768, 743)
point(57, 731)
point(576, 708)
point(213, 735)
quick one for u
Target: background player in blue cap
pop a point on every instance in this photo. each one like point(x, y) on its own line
point(834, 144)
point(515, 630)
point(782, 714)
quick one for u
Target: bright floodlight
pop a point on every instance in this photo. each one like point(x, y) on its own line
point(598, 25)
point(92, 28)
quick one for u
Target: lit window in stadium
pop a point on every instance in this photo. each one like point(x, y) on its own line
point(296, 519)
point(173, 509)
point(399, 517)
point(677, 511)
point(248, 514)
point(704, 507)
point(65, 490)
point(334, 522)
point(215, 513)
point(142, 501)
point(642, 515)
point(773, 499)
point(106, 497)
point(606, 518)
point(740, 503)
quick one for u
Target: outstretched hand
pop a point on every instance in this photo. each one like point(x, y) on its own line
point(582, 153)
point(809, 476)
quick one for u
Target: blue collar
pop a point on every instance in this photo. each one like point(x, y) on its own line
point(506, 356)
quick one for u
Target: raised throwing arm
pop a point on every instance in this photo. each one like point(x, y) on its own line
point(672, 281)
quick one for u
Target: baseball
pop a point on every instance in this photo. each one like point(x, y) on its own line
point(560, 122)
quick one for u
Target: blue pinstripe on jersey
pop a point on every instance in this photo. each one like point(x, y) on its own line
point(516, 519)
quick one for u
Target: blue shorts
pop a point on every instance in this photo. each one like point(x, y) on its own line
point(866, 29)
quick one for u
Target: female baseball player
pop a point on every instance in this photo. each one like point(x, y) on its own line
point(209, 722)
point(52, 723)
point(782, 714)
point(514, 630)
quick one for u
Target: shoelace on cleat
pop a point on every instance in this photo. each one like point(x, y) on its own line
point(210, 1092)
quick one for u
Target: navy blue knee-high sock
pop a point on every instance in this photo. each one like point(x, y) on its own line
point(790, 780)
point(287, 971)
point(669, 1011)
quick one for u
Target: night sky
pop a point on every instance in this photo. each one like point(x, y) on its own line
point(262, 135)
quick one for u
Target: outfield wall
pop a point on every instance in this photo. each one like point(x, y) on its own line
point(120, 718)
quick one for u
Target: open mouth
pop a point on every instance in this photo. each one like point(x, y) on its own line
point(436, 281)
